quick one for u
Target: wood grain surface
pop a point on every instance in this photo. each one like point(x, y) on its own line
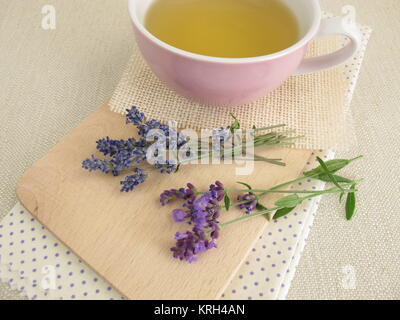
point(126, 237)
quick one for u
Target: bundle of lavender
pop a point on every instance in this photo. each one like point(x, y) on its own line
point(164, 148)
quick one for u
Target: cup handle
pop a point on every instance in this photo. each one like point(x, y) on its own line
point(333, 26)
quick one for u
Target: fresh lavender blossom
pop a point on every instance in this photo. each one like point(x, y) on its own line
point(180, 215)
point(173, 194)
point(247, 202)
point(217, 190)
point(199, 211)
point(191, 243)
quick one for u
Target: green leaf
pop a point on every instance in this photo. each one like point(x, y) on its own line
point(235, 124)
point(333, 166)
point(282, 212)
point(227, 202)
point(289, 201)
point(261, 207)
point(351, 203)
point(327, 172)
point(177, 168)
point(273, 161)
point(341, 197)
point(245, 184)
point(326, 178)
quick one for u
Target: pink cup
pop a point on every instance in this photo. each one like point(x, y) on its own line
point(232, 82)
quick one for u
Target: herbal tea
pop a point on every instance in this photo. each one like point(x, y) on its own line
point(224, 28)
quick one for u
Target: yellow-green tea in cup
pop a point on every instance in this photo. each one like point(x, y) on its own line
point(224, 28)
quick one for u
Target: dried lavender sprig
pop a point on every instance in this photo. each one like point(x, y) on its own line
point(126, 155)
point(242, 147)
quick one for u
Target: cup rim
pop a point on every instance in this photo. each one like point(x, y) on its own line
point(299, 44)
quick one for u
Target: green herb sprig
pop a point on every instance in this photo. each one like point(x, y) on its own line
point(326, 172)
point(201, 210)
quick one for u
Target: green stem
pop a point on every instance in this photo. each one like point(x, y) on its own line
point(275, 189)
point(317, 192)
point(238, 148)
point(263, 212)
point(273, 161)
point(249, 216)
point(269, 128)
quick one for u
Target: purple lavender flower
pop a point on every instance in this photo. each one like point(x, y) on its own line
point(172, 194)
point(138, 155)
point(94, 164)
point(190, 244)
point(180, 215)
point(127, 154)
point(132, 181)
point(249, 202)
point(201, 203)
point(175, 139)
point(217, 190)
point(202, 212)
point(121, 161)
point(141, 143)
point(110, 147)
point(208, 203)
point(219, 137)
point(182, 193)
point(169, 166)
point(200, 218)
point(145, 128)
point(123, 150)
point(134, 116)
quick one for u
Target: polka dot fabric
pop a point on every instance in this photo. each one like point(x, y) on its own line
point(271, 264)
point(34, 262)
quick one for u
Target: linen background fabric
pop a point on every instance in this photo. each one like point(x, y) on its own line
point(50, 80)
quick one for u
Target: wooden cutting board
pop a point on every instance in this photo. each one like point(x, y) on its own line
point(126, 237)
